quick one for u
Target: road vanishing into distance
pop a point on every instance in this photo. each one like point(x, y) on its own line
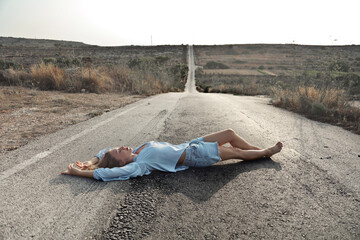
point(311, 190)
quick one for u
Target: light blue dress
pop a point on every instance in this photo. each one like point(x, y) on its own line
point(160, 156)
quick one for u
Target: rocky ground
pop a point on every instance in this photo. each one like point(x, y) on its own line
point(26, 114)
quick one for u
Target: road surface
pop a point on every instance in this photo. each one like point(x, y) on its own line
point(308, 191)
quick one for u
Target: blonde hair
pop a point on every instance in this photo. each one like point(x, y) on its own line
point(107, 161)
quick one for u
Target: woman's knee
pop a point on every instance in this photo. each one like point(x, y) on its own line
point(230, 132)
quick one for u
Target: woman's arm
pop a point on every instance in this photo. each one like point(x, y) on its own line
point(130, 170)
point(77, 172)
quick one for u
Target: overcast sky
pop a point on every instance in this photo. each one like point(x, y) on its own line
point(146, 22)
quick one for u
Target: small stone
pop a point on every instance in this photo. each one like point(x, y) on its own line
point(326, 147)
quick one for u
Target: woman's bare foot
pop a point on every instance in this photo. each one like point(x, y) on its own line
point(275, 149)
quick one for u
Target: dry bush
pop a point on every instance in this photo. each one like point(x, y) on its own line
point(48, 77)
point(331, 98)
point(72, 81)
point(96, 80)
point(302, 98)
point(148, 84)
point(148, 80)
point(328, 105)
point(16, 78)
point(122, 78)
point(237, 89)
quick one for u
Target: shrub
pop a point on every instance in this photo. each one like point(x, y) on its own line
point(48, 77)
point(96, 80)
point(239, 61)
point(62, 62)
point(351, 81)
point(304, 103)
point(318, 109)
point(215, 65)
point(161, 59)
point(303, 98)
point(180, 71)
point(142, 63)
point(339, 66)
point(122, 78)
point(7, 64)
point(14, 77)
point(49, 61)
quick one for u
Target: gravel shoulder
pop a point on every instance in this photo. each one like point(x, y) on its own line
point(26, 114)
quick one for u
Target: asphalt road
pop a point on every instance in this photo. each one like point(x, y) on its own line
point(309, 191)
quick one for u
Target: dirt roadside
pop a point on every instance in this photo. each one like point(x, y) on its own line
point(26, 114)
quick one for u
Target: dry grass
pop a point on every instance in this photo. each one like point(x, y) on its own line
point(122, 77)
point(237, 89)
point(48, 77)
point(326, 105)
point(101, 79)
point(302, 97)
point(96, 80)
point(15, 77)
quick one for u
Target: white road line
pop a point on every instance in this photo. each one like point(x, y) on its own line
point(34, 159)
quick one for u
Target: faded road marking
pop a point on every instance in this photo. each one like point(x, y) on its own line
point(34, 159)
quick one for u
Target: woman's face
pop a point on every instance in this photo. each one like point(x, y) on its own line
point(122, 155)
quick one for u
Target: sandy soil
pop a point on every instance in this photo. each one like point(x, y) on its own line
point(26, 114)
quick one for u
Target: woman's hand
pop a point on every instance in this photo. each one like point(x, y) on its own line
point(71, 170)
point(87, 164)
point(78, 172)
point(83, 165)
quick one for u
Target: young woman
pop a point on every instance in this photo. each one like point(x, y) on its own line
point(123, 163)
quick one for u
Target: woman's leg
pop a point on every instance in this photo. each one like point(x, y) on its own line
point(229, 136)
point(227, 153)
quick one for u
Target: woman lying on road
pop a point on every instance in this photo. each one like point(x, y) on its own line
point(123, 163)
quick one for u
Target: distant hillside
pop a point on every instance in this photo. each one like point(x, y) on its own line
point(24, 52)
point(44, 43)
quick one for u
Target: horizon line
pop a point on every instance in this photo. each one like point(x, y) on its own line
point(169, 44)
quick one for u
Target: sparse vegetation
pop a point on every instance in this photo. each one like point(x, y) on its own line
point(215, 65)
point(7, 64)
point(339, 66)
point(144, 77)
point(98, 72)
point(63, 62)
point(239, 61)
point(316, 81)
point(328, 105)
point(28, 66)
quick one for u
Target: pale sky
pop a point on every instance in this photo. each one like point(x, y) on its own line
point(142, 22)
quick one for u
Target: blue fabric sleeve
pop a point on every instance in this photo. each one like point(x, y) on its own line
point(102, 153)
point(130, 170)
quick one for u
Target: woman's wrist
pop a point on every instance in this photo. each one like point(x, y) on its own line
point(84, 173)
